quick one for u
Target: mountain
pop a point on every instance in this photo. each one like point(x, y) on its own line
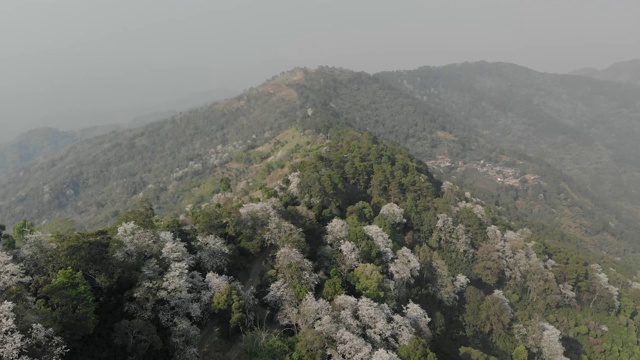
point(31, 145)
point(585, 129)
point(93, 180)
point(443, 212)
point(41, 142)
point(496, 129)
point(624, 72)
point(46, 141)
point(314, 244)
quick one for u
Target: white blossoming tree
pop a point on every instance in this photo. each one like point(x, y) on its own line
point(351, 346)
point(213, 253)
point(40, 343)
point(550, 343)
point(337, 231)
point(393, 213)
point(404, 269)
point(295, 279)
point(606, 294)
point(381, 239)
point(11, 273)
point(136, 244)
point(367, 322)
point(350, 256)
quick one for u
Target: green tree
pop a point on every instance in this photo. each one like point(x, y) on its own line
point(472, 318)
point(259, 345)
point(333, 286)
point(416, 349)
point(369, 281)
point(68, 305)
point(489, 267)
point(229, 301)
point(468, 353)
point(60, 227)
point(520, 353)
point(225, 184)
point(215, 219)
point(7, 241)
point(21, 229)
point(496, 315)
point(89, 253)
point(361, 213)
point(310, 346)
point(143, 215)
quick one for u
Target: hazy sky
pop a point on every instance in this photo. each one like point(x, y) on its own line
point(67, 63)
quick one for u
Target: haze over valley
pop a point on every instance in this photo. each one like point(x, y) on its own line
point(73, 64)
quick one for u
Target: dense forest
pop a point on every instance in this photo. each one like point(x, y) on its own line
point(452, 212)
point(339, 246)
point(585, 128)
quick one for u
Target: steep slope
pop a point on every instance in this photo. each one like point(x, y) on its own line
point(623, 72)
point(587, 129)
point(93, 180)
point(447, 131)
point(344, 247)
point(96, 180)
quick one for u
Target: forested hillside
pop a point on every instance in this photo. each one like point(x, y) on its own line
point(496, 129)
point(93, 181)
point(580, 134)
point(338, 244)
point(586, 128)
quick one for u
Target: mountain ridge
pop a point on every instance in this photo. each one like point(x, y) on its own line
point(627, 72)
point(46, 141)
point(161, 159)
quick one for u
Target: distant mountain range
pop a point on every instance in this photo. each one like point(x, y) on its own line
point(624, 72)
point(46, 141)
point(42, 142)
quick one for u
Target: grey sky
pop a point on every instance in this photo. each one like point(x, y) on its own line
point(70, 63)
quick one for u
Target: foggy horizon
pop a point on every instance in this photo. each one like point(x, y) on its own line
point(72, 64)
